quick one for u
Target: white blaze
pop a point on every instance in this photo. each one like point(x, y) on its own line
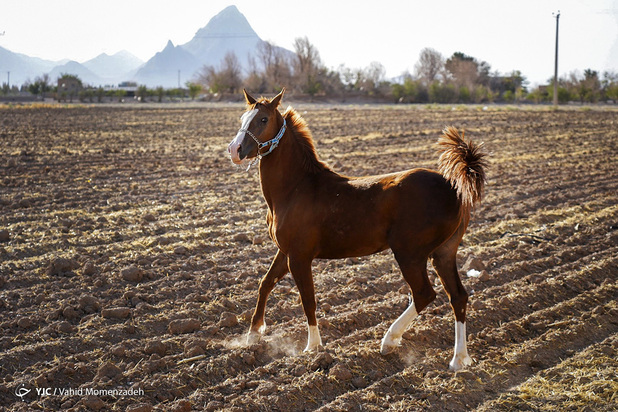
point(234, 145)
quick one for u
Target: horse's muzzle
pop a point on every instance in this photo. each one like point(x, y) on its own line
point(234, 150)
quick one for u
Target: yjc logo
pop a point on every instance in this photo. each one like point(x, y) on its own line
point(21, 391)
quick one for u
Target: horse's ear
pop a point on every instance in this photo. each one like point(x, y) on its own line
point(274, 103)
point(250, 100)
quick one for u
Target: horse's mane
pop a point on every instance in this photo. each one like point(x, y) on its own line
point(298, 127)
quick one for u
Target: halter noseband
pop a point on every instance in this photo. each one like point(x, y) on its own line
point(273, 143)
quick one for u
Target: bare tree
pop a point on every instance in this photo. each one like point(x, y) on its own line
point(228, 79)
point(308, 65)
point(463, 69)
point(430, 64)
point(375, 73)
point(276, 68)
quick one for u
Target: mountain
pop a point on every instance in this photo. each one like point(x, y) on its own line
point(228, 31)
point(22, 67)
point(162, 69)
point(73, 67)
point(115, 68)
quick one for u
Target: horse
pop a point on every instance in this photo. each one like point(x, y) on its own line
point(314, 212)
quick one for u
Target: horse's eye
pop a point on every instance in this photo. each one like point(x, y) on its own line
point(264, 119)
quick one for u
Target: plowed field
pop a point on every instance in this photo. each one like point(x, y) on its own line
point(131, 251)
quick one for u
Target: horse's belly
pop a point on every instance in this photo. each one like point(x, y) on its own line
point(342, 244)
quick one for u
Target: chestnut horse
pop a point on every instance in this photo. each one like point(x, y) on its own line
point(314, 212)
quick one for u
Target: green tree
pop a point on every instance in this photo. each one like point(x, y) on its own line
point(120, 94)
point(142, 93)
point(194, 89)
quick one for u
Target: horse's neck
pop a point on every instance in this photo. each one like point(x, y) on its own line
point(282, 170)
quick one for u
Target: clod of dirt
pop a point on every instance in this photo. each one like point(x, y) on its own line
point(195, 347)
point(89, 304)
point(88, 269)
point(266, 388)
point(119, 350)
point(248, 358)
point(65, 327)
point(182, 406)
point(24, 322)
point(227, 320)
point(484, 276)
point(69, 313)
point(157, 347)
point(477, 304)
point(120, 312)
point(140, 407)
point(340, 372)
point(4, 235)
point(214, 406)
point(132, 274)
point(258, 240)
point(149, 217)
point(473, 263)
point(93, 402)
point(60, 266)
point(242, 238)
point(180, 250)
point(465, 375)
point(321, 361)
point(179, 326)
point(108, 370)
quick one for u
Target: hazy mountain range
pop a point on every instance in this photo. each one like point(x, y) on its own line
point(227, 31)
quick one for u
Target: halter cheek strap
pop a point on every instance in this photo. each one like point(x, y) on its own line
point(273, 143)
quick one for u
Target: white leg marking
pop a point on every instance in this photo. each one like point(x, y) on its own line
point(314, 340)
point(393, 336)
point(460, 358)
point(254, 336)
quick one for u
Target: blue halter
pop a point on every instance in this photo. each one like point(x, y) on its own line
point(273, 143)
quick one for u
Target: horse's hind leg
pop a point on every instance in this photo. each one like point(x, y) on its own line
point(278, 269)
point(444, 261)
point(415, 273)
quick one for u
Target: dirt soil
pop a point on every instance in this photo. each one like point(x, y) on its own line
point(131, 251)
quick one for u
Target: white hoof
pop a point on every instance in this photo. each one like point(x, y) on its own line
point(314, 341)
point(458, 362)
point(312, 348)
point(253, 337)
point(389, 344)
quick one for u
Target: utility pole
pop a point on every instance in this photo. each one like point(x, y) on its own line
point(557, 16)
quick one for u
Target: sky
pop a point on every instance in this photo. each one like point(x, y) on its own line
point(509, 34)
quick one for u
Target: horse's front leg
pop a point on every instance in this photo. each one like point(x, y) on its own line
point(301, 272)
point(278, 269)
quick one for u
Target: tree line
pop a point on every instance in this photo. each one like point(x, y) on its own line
point(436, 79)
point(459, 78)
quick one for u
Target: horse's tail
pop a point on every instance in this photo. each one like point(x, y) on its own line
point(462, 164)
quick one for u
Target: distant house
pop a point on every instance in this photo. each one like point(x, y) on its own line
point(68, 86)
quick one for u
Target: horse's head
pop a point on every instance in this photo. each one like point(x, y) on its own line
point(259, 132)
